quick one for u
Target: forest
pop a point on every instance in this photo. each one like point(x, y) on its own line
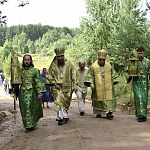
point(119, 26)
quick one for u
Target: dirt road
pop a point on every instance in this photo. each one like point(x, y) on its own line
point(80, 133)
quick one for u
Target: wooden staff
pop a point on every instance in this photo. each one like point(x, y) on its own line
point(131, 101)
point(15, 97)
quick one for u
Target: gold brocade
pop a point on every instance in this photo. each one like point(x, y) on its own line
point(63, 100)
point(63, 76)
point(15, 69)
point(56, 107)
point(103, 81)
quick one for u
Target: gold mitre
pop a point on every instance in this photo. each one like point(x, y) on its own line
point(102, 54)
point(59, 51)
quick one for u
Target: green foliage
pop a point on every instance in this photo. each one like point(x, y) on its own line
point(31, 47)
point(2, 35)
point(22, 43)
point(122, 90)
point(7, 48)
point(1, 62)
point(6, 67)
point(117, 26)
point(33, 32)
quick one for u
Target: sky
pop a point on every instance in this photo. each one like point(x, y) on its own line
point(58, 13)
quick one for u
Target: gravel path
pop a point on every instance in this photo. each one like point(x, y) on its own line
point(80, 133)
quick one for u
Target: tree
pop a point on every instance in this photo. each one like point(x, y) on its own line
point(22, 41)
point(7, 48)
point(115, 25)
point(96, 28)
point(128, 32)
point(7, 67)
point(2, 35)
point(31, 46)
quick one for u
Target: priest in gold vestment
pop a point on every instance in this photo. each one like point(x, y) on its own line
point(61, 75)
point(100, 79)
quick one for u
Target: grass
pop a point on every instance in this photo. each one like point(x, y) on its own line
point(40, 61)
point(123, 90)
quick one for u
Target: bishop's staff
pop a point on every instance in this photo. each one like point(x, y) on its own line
point(15, 77)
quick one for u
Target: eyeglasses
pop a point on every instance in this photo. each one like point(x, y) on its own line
point(101, 59)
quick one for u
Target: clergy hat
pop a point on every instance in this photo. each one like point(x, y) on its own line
point(59, 51)
point(102, 54)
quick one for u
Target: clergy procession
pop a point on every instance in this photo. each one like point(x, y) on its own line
point(58, 83)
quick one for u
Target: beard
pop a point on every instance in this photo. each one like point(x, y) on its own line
point(61, 63)
point(82, 68)
point(101, 64)
point(26, 65)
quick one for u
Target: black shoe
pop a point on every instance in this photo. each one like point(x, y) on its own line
point(98, 116)
point(66, 119)
point(141, 119)
point(82, 113)
point(109, 115)
point(144, 118)
point(30, 129)
point(60, 122)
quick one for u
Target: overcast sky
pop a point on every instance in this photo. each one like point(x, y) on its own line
point(58, 13)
